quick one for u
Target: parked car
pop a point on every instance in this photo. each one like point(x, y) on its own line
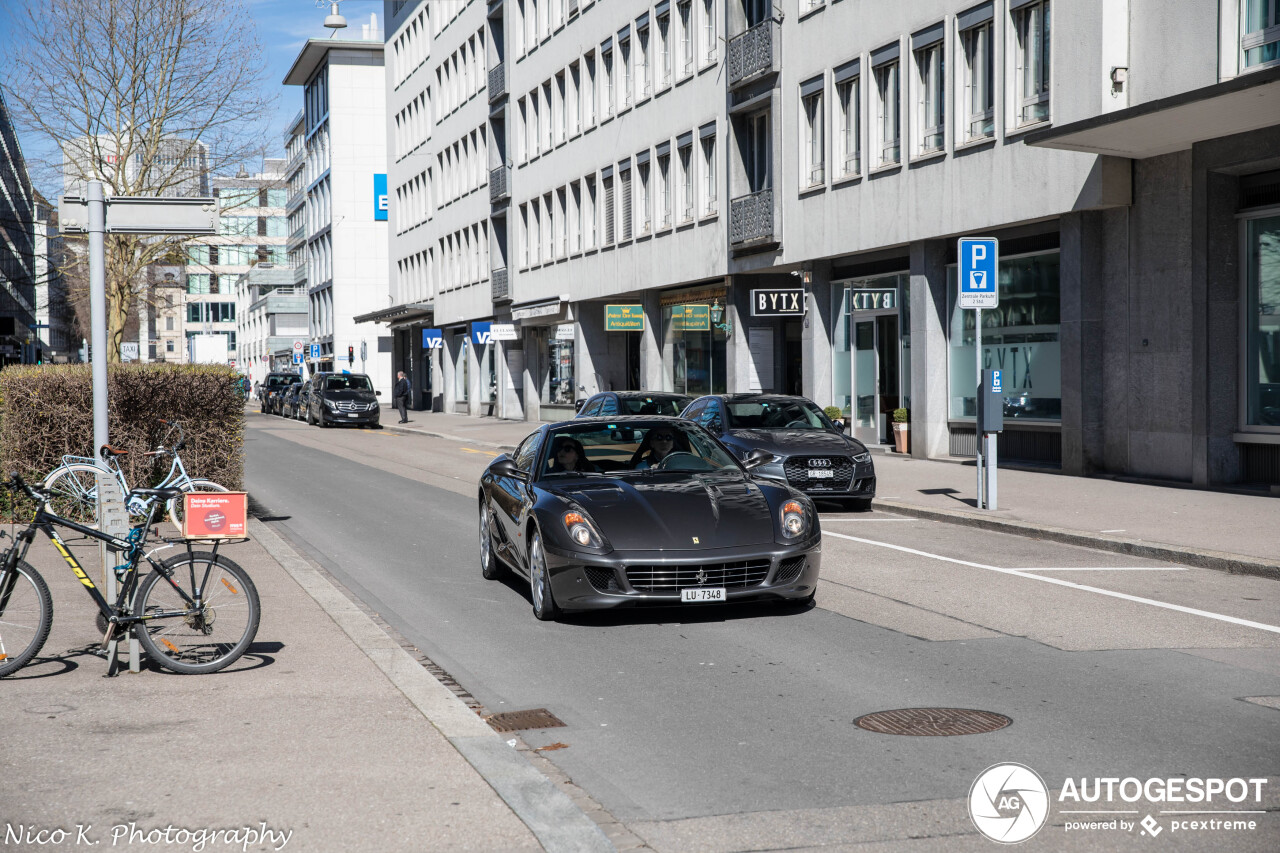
point(632, 403)
point(342, 398)
point(810, 452)
point(271, 392)
point(291, 401)
point(594, 521)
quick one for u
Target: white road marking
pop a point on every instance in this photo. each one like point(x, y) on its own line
point(1022, 574)
point(1117, 530)
point(842, 518)
point(1107, 569)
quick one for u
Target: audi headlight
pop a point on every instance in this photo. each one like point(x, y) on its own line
point(862, 457)
point(794, 521)
point(581, 531)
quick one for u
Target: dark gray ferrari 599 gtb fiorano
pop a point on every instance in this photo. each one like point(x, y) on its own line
point(600, 513)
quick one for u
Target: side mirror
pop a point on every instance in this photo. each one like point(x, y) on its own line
point(377, 393)
point(578, 404)
point(507, 468)
point(756, 458)
point(839, 424)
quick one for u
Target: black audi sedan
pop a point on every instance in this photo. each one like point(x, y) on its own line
point(614, 403)
point(599, 513)
point(810, 452)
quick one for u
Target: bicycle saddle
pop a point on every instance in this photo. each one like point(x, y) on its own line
point(108, 450)
point(162, 494)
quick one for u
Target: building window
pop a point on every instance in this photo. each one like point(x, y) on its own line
point(815, 159)
point(643, 89)
point(685, 11)
point(931, 100)
point(664, 190)
point(758, 161)
point(663, 69)
point(607, 184)
point(624, 181)
point(606, 60)
point(979, 81)
point(643, 200)
point(685, 153)
point(693, 351)
point(589, 218)
point(168, 324)
point(1262, 332)
point(1031, 33)
point(624, 65)
point(1260, 33)
point(848, 91)
point(562, 224)
point(887, 126)
point(589, 92)
point(1021, 337)
point(709, 30)
point(709, 173)
point(573, 99)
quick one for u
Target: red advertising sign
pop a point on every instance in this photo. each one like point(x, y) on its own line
point(215, 515)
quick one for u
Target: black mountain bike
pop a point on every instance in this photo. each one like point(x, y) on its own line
point(195, 612)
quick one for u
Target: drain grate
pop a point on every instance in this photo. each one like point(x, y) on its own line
point(514, 721)
point(932, 722)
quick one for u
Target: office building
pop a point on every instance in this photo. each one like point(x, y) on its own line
point(18, 341)
point(739, 195)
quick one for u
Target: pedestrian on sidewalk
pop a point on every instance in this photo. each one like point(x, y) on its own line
point(400, 396)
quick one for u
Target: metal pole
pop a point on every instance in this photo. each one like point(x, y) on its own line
point(977, 401)
point(992, 440)
point(98, 311)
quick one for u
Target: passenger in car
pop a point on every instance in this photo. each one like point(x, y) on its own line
point(658, 443)
point(568, 454)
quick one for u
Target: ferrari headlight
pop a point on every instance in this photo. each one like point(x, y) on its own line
point(581, 531)
point(794, 522)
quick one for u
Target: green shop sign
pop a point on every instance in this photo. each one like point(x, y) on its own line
point(691, 318)
point(624, 318)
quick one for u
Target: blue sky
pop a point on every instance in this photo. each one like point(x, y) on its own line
point(283, 27)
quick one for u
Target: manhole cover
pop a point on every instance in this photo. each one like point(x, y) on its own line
point(512, 721)
point(932, 722)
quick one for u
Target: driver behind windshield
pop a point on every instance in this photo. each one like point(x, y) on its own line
point(659, 443)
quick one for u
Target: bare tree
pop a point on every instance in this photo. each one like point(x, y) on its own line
point(150, 97)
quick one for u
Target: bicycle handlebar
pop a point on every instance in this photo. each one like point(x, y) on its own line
point(16, 482)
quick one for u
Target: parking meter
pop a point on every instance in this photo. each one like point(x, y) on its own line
point(990, 422)
point(991, 402)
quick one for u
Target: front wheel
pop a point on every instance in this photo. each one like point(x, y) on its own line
point(544, 601)
point(489, 567)
point(73, 493)
point(175, 505)
point(26, 613)
point(199, 612)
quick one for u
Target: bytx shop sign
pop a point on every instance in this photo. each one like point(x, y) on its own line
point(777, 302)
point(873, 300)
point(624, 318)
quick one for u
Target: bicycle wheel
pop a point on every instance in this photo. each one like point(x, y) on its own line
point(188, 639)
point(73, 493)
point(175, 505)
point(26, 612)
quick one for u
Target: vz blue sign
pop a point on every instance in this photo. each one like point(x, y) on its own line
point(480, 333)
point(979, 261)
point(432, 339)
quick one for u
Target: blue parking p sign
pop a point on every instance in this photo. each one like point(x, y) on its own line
point(979, 259)
point(315, 351)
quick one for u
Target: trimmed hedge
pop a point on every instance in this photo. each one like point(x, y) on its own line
point(46, 412)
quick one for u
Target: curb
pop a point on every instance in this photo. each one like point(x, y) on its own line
point(400, 428)
point(1202, 558)
point(549, 813)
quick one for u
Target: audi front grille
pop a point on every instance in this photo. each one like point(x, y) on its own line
point(797, 470)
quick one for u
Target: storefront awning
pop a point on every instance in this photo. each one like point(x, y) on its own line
point(1245, 103)
point(399, 314)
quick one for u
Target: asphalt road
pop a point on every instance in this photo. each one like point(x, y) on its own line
point(703, 723)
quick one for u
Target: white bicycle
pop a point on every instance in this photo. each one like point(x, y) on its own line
point(73, 485)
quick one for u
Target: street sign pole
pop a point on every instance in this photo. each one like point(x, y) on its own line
point(978, 280)
point(980, 439)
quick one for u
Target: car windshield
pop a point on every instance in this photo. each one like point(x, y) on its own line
point(636, 448)
point(776, 414)
point(280, 381)
point(670, 406)
point(348, 383)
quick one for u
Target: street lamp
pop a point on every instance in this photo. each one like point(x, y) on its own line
point(717, 314)
point(334, 21)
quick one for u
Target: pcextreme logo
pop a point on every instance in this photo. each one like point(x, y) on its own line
point(1009, 802)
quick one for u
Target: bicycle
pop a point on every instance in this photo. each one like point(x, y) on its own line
point(196, 612)
point(73, 485)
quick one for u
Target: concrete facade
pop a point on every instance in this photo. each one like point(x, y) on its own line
point(842, 148)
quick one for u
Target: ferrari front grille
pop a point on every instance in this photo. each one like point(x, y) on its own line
point(660, 578)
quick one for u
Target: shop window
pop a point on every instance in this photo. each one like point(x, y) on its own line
point(559, 387)
point(1262, 331)
point(693, 351)
point(1020, 337)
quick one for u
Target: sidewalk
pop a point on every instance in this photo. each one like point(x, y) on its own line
point(327, 734)
point(1216, 530)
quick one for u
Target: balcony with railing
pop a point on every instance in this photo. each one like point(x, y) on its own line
point(497, 82)
point(754, 53)
point(500, 185)
point(751, 219)
point(501, 285)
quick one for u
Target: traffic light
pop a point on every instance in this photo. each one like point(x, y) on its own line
point(351, 355)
